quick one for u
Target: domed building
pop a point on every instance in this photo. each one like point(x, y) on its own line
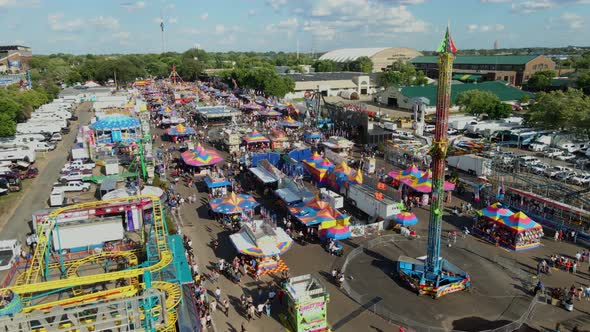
point(381, 56)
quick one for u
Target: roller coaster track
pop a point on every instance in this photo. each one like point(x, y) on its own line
point(29, 282)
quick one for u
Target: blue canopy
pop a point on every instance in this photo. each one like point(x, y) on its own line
point(312, 135)
point(116, 122)
point(217, 184)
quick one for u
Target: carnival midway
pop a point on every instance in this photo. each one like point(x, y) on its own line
point(220, 209)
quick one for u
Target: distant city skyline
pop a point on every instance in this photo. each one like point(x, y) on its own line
point(127, 26)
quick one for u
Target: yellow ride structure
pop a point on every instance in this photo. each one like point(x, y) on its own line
point(34, 282)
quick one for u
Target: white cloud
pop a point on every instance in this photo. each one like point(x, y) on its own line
point(19, 3)
point(122, 35)
point(157, 20)
point(252, 12)
point(220, 29)
point(170, 6)
point(204, 16)
point(494, 1)
point(173, 20)
point(485, 28)
point(571, 20)
point(228, 40)
point(105, 22)
point(288, 24)
point(133, 6)
point(531, 6)
point(276, 5)
point(57, 22)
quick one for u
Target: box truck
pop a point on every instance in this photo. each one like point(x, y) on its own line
point(471, 164)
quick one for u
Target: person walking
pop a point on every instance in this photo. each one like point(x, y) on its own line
point(225, 305)
point(217, 293)
point(260, 308)
point(213, 305)
point(267, 307)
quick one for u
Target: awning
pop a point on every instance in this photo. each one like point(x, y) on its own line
point(466, 77)
point(288, 196)
point(216, 184)
point(263, 175)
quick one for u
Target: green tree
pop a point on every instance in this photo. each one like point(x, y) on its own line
point(478, 102)
point(323, 66)
point(401, 73)
point(525, 99)
point(362, 64)
point(541, 80)
point(501, 110)
point(189, 69)
point(583, 81)
point(7, 125)
point(561, 110)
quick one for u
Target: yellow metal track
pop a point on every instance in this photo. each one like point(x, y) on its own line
point(28, 283)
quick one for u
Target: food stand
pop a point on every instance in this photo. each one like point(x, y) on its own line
point(307, 302)
point(513, 231)
point(264, 242)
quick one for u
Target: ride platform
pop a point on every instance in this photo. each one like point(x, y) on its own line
point(449, 280)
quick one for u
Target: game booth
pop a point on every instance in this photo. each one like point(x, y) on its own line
point(179, 131)
point(255, 140)
point(307, 303)
point(513, 231)
point(217, 185)
point(263, 243)
point(232, 208)
point(318, 167)
point(417, 184)
point(116, 128)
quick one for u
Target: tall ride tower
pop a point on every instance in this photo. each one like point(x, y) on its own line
point(432, 274)
point(438, 150)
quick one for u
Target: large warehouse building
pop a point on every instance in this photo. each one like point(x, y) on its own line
point(403, 97)
point(514, 69)
point(333, 84)
point(14, 58)
point(381, 57)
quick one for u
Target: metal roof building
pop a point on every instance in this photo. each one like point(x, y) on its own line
point(381, 56)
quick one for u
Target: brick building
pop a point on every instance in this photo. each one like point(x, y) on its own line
point(510, 68)
point(14, 58)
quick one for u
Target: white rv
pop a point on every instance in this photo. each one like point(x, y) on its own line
point(17, 154)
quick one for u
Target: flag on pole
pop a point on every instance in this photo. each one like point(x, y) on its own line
point(162, 25)
point(447, 45)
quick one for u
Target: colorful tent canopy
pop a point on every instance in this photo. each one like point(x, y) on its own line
point(260, 239)
point(423, 184)
point(312, 135)
point(406, 218)
point(201, 156)
point(317, 167)
point(409, 172)
point(165, 111)
point(255, 137)
point(339, 232)
point(496, 212)
point(251, 106)
point(269, 113)
point(519, 222)
point(289, 122)
point(343, 174)
point(116, 122)
point(180, 130)
point(233, 203)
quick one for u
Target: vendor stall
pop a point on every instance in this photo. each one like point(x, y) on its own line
point(268, 113)
point(263, 243)
point(201, 157)
point(180, 130)
point(307, 302)
point(290, 123)
point(312, 137)
point(331, 223)
point(233, 204)
point(513, 231)
point(217, 186)
point(342, 175)
point(255, 140)
point(279, 141)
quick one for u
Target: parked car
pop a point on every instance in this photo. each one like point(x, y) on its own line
point(554, 170)
point(67, 171)
point(566, 156)
point(71, 186)
point(565, 175)
point(451, 131)
point(56, 137)
point(581, 179)
point(73, 176)
point(526, 161)
point(79, 164)
point(553, 153)
point(539, 168)
point(30, 173)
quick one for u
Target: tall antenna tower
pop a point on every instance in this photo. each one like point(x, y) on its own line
point(496, 44)
point(162, 31)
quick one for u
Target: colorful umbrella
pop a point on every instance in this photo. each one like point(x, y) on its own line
point(289, 122)
point(406, 218)
point(201, 157)
point(423, 184)
point(340, 232)
point(165, 111)
point(255, 137)
point(180, 130)
point(233, 203)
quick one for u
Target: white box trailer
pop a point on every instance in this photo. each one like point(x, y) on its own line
point(83, 235)
point(363, 197)
point(18, 154)
point(37, 128)
point(335, 200)
point(61, 123)
point(472, 164)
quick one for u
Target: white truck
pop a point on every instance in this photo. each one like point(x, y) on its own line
point(461, 122)
point(363, 197)
point(78, 164)
point(471, 164)
point(88, 234)
point(71, 186)
point(18, 154)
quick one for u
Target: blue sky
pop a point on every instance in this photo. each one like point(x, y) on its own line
point(128, 26)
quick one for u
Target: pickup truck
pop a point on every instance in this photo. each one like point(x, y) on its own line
point(66, 171)
point(73, 176)
point(79, 164)
point(553, 171)
point(71, 186)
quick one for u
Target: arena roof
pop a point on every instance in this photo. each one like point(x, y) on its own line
point(351, 54)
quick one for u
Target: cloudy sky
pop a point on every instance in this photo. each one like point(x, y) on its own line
point(127, 26)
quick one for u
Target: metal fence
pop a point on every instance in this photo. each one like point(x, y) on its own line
point(411, 325)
